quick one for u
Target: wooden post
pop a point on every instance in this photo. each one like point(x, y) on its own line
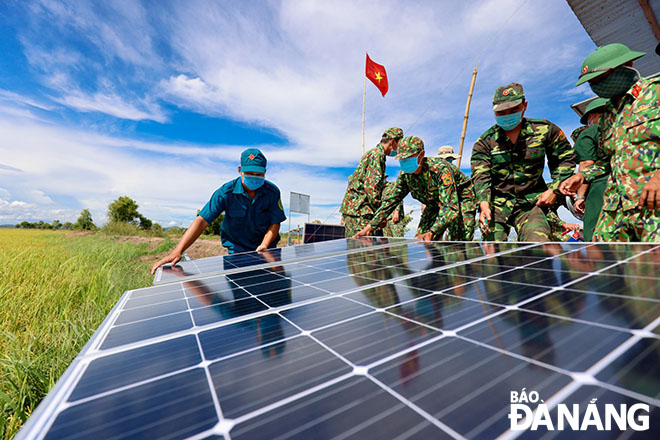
point(465, 119)
point(364, 100)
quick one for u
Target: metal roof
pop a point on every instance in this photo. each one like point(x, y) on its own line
point(621, 21)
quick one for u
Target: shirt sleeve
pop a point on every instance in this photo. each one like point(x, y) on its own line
point(277, 215)
point(586, 145)
point(214, 207)
point(391, 201)
point(448, 204)
point(561, 157)
point(480, 162)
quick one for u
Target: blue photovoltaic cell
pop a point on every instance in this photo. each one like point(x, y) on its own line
point(370, 339)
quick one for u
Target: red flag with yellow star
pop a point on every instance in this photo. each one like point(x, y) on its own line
point(376, 74)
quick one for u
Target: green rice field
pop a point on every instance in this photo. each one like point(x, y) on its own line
point(55, 290)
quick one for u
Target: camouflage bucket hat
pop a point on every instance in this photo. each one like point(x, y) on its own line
point(508, 96)
point(393, 133)
point(410, 146)
point(604, 59)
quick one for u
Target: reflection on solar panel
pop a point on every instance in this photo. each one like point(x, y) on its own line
point(225, 263)
point(314, 232)
point(416, 340)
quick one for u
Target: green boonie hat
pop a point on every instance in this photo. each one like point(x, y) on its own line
point(393, 133)
point(605, 58)
point(596, 104)
point(508, 96)
point(253, 160)
point(409, 146)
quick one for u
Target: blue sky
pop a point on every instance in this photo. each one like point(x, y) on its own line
point(156, 100)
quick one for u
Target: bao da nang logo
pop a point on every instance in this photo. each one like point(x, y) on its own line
point(528, 411)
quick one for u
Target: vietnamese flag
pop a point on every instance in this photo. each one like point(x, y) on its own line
point(376, 74)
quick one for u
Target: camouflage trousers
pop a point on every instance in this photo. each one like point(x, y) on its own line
point(634, 225)
point(530, 225)
point(354, 224)
point(461, 229)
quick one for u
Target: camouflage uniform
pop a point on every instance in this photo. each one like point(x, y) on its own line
point(365, 186)
point(630, 148)
point(394, 229)
point(509, 177)
point(447, 193)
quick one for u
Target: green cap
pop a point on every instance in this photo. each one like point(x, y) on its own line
point(253, 160)
point(409, 146)
point(393, 133)
point(605, 58)
point(508, 96)
point(594, 105)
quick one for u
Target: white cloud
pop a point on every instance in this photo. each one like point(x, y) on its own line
point(112, 105)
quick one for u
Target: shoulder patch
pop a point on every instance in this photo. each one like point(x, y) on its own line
point(636, 90)
point(561, 136)
point(447, 179)
point(279, 203)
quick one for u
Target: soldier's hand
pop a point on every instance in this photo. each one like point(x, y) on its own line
point(548, 198)
point(395, 217)
point(570, 186)
point(579, 206)
point(174, 257)
point(426, 236)
point(364, 232)
point(651, 193)
point(485, 217)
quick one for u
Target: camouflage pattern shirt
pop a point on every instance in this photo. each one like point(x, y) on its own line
point(365, 185)
point(439, 184)
point(629, 145)
point(507, 175)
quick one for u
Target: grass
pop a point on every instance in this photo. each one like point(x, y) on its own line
point(55, 290)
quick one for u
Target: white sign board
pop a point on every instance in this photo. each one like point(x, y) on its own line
point(299, 203)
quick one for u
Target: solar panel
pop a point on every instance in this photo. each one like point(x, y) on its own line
point(404, 340)
point(314, 232)
point(233, 262)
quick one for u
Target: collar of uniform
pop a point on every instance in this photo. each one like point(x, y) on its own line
point(630, 95)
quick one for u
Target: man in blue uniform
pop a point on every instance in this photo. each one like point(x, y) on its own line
point(253, 212)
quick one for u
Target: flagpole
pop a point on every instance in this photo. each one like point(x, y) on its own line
point(465, 118)
point(364, 100)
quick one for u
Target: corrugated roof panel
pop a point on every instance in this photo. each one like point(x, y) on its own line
point(620, 21)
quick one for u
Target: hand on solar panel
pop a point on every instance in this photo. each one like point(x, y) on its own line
point(426, 236)
point(192, 233)
point(651, 193)
point(364, 232)
point(570, 186)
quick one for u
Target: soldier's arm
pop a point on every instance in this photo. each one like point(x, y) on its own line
point(374, 181)
point(480, 162)
point(391, 200)
point(561, 157)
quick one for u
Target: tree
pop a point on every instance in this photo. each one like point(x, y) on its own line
point(56, 224)
point(85, 222)
point(145, 223)
point(124, 209)
point(67, 226)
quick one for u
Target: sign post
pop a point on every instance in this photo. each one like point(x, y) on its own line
point(297, 203)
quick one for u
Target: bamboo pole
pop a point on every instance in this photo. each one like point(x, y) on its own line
point(465, 118)
point(364, 100)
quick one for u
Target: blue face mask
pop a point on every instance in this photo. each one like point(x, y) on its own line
point(509, 122)
point(393, 153)
point(253, 182)
point(409, 164)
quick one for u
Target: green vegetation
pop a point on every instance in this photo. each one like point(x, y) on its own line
point(55, 290)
